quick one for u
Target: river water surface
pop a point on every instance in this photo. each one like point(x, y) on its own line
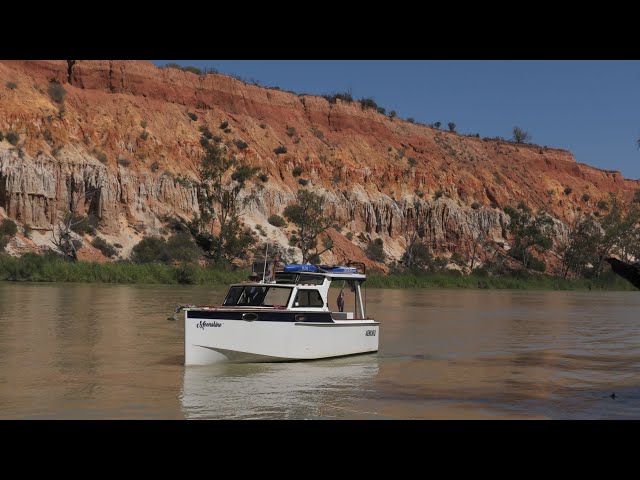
point(74, 351)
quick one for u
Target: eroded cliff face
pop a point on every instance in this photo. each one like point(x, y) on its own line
point(129, 134)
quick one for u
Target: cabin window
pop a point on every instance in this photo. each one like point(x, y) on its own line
point(277, 297)
point(311, 279)
point(308, 298)
point(285, 277)
point(233, 296)
point(252, 295)
point(257, 295)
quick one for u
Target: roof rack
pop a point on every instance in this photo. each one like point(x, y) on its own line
point(348, 267)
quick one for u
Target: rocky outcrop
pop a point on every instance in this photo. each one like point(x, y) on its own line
point(124, 144)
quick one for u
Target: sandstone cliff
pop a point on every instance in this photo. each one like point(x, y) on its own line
point(130, 133)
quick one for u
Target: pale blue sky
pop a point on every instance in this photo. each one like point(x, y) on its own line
point(591, 108)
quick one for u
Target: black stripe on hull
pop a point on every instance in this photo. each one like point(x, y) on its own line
point(263, 316)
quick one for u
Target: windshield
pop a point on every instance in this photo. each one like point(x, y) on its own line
point(257, 295)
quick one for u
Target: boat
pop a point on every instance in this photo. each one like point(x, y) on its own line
point(280, 316)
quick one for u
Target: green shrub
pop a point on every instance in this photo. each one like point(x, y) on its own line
point(192, 69)
point(56, 92)
point(368, 103)
point(291, 131)
point(181, 247)
point(192, 116)
point(206, 133)
point(344, 96)
point(105, 247)
point(144, 135)
point(536, 264)
point(184, 181)
point(277, 221)
point(475, 205)
point(375, 250)
point(12, 138)
point(11, 85)
point(189, 68)
point(264, 178)
point(280, 150)
point(8, 230)
point(102, 157)
point(186, 274)
point(151, 250)
point(303, 182)
point(349, 236)
point(297, 171)
point(224, 125)
point(27, 230)
point(155, 166)
point(568, 190)
point(143, 123)
point(123, 161)
point(241, 145)
point(317, 133)
point(8, 227)
point(412, 161)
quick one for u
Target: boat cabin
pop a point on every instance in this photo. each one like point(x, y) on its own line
point(299, 288)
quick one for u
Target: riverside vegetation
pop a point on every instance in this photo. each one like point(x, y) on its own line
point(51, 268)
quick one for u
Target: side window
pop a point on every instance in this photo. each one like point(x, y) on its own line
point(308, 298)
point(311, 279)
point(233, 296)
point(315, 300)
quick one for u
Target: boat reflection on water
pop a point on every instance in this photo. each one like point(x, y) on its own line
point(301, 390)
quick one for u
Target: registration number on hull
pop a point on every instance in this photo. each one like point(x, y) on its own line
point(370, 333)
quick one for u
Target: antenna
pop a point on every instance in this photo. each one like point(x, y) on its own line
point(264, 270)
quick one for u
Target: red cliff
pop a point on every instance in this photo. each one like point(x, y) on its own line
point(130, 131)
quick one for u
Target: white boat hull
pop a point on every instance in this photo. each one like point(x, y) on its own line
point(209, 341)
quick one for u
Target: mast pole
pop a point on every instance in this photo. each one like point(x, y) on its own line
point(359, 293)
point(264, 270)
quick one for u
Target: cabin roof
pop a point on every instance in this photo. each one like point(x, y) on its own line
point(330, 275)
